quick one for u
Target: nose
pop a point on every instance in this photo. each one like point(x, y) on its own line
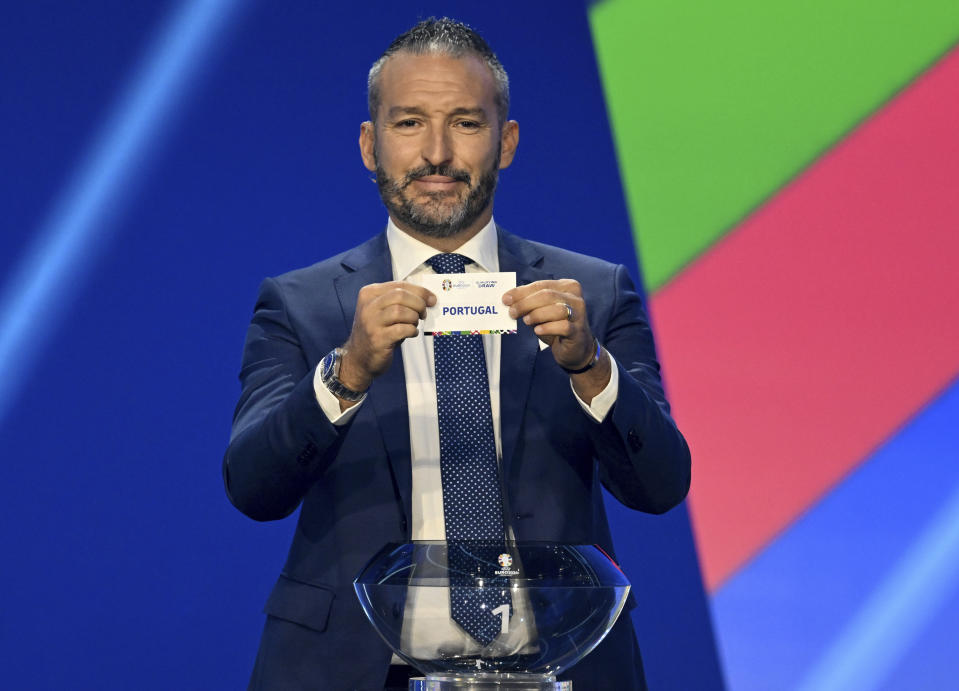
point(437, 149)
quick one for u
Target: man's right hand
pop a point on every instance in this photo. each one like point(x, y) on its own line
point(386, 314)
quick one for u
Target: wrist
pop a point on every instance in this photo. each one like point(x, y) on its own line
point(339, 379)
point(352, 375)
point(595, 357)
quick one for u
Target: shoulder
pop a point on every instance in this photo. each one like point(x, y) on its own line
point(323, 272)
point(560, 258)
point(558, 261)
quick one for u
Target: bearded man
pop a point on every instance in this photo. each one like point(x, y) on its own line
point(341, 411)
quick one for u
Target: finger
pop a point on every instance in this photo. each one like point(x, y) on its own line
point(424, 294)
point(551, 299)
point(563, 285)
point(375, 291)
point(402, 295)
point(398, 314)
point(521, 292)
point(371, 291)
point(563, 329)
point(549, 313)
point(389, 336)
point(528, 303)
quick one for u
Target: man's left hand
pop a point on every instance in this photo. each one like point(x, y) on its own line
point(557, 312)
point(543, 305)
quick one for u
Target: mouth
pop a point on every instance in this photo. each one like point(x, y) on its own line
point(436, 183)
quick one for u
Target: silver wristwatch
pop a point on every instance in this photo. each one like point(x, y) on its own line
point(330, 373)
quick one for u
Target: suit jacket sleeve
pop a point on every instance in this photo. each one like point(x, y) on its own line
point(643, 458)
point(281, 439)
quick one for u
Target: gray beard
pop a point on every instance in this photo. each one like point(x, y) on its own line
point(432, 222)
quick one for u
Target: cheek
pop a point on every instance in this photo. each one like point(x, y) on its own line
point(400, 166)
point(484, 155)
point(392, 155)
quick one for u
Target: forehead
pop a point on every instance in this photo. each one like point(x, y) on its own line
point(436, 83)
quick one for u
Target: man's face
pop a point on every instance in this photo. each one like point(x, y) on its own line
point(437, 145)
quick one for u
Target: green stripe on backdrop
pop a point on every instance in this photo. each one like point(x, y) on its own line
point(715, 105)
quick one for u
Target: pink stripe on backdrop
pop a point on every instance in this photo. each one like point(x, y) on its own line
point(811, 332)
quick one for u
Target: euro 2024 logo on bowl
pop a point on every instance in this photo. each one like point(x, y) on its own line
point(506, 562)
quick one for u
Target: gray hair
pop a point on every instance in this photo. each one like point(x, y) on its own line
point(441, 37)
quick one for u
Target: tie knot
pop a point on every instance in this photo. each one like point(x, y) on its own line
point(449, 263)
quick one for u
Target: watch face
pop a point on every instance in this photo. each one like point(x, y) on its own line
point(326, 365)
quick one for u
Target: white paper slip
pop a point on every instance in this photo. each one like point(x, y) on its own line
point(469, 303)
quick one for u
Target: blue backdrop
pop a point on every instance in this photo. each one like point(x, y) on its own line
point(160, 159)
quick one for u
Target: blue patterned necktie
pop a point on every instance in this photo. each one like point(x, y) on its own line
point(472, 499)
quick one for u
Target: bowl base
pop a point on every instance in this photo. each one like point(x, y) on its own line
point(488, 682)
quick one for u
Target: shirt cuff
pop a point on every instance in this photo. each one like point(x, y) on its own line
point(330, 404)
point(602, 402)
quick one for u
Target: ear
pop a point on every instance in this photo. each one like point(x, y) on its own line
point(509, 140)
point(367, 141)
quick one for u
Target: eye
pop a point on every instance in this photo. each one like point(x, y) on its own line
point(406, 124)
point(468, 124)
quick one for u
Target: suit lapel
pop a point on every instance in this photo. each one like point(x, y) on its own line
point(370, 263)
point(518, 352)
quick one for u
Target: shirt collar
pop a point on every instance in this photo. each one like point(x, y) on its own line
point(409, 254)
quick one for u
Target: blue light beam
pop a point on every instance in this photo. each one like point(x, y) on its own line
point(76, 229)
point(904, 602)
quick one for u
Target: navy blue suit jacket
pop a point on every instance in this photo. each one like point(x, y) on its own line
point(354, 482)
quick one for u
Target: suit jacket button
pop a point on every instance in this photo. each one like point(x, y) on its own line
point(635, 443)
point(306, 454)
